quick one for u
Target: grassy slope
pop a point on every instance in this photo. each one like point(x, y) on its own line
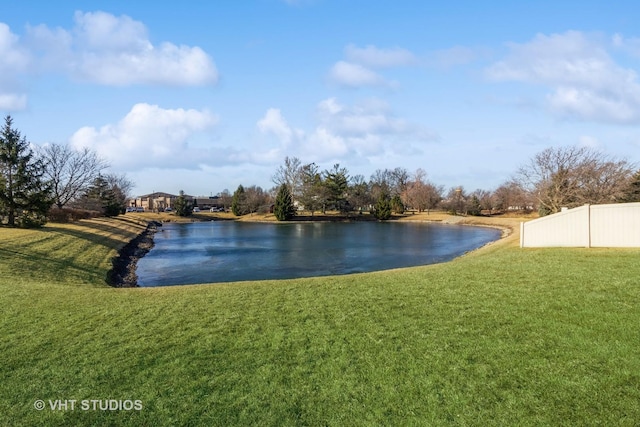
point(502, 336)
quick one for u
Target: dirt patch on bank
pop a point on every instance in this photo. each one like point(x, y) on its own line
point(123, 273)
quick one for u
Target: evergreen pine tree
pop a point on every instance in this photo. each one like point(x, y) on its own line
point(632, 194)
point(396, 205)
point(103, 197)
point(239, 202)
point(182, 205)
point(383, 207)
point(24, 196)
point(283, 208)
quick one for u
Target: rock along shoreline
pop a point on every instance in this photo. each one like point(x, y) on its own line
point(123, 272)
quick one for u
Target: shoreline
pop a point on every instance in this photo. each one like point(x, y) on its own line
point(124, 265)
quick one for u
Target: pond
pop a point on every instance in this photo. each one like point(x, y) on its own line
point(209, 252)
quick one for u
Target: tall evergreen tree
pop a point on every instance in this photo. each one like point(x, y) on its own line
point(632, 193)
point(182, 205)
point(103, 197)
point(383, 207)
point(312, 194)
point(239, 202)
point(24, 195)
point(396, 204)
point(336, 182)
point(283, 208)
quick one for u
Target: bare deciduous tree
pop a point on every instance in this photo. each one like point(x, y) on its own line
point(380, 183)
point(485, 201)
point(289, 174)
point(70, 171)
point(421, 194)
point(399, 181)
point(511, 196)
point(456, 200)
point(256, 198)
point(574, 176)
point(225, 199)
point(359, 195)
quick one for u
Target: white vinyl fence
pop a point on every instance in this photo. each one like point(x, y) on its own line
point(612, 226)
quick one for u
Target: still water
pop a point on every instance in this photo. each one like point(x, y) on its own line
point(234, 251)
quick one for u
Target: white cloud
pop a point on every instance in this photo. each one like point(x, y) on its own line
point(150, 136)
point(372, 116)
point(14, 57)
point(104, 32)
point(344, 133)
point(274, 123)
point(630, 46)
point(354, 75)
point(322, 145)
point(374, 57)
point(357, 70)
point(116, 50)
point(12, 101)
point(14, 61)
point(593, 105)
point(586, 82)
point(329, 106)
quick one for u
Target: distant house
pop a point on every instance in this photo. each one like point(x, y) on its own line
point(157, 202)
point(206, 203)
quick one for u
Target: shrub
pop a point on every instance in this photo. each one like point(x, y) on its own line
point(66, 215)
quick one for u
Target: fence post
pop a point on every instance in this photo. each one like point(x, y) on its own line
point(522, 234)
point(588, 226)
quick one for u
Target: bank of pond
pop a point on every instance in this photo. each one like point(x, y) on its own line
point(213, 252)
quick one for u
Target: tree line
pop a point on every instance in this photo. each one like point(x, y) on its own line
point(552, 179)
point(54, 181)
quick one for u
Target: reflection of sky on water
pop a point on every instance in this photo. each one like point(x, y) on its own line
point(234, 251)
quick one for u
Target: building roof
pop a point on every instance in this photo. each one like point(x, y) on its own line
point(158, 194)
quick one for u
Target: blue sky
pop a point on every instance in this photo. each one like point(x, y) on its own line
point(203, 96)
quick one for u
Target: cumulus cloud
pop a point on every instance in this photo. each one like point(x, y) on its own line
point(358, 68)
point(360, 131)
point(115, 50)
point(12, 101)
point(628, 45)
point(584, 79)
point(150, 137)
point(14, 56)
point(354, 75)
point(100, 48)
point(15, 60)
point(105, 49)
point(371, 117)
point(274, 123)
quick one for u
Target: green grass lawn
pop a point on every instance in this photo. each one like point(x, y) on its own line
point(502, 336)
